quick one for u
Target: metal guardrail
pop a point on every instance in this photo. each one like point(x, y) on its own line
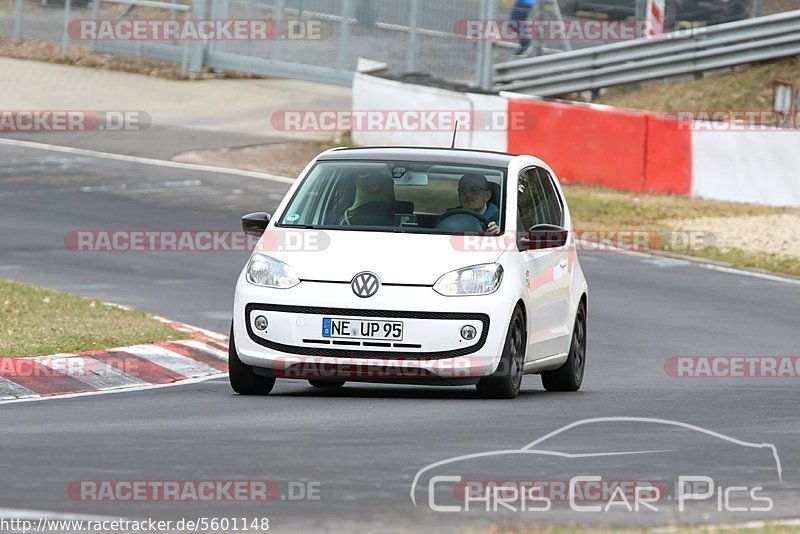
point(680, 53)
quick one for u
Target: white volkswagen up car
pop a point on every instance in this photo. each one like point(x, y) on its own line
point(413, 265)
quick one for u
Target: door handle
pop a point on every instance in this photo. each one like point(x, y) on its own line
point(563, 263)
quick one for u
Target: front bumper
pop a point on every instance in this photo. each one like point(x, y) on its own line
point(292, 346)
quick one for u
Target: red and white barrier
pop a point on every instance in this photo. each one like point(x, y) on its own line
point(587, 143)
point(619, 148)
point(762, 167)
point(379, 95)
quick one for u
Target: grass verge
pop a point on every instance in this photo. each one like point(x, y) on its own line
point(746, 88)
point(36, 322)
point(597, 208)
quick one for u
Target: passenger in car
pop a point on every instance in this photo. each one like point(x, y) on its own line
point(474, 194)
point(374, 204)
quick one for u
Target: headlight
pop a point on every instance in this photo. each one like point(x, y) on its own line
point(269, 272)
point(477, 280)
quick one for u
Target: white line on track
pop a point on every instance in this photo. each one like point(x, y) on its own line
point(146, 161)
point(698, 262)
point(140, 187)
point(752, 274)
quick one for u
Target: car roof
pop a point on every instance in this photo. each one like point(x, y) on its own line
point(434, 155)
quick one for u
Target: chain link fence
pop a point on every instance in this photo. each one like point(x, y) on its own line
point(322, 40)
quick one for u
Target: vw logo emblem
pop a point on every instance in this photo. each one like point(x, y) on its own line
point(365, 284)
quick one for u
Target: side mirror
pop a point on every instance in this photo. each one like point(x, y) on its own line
point(255, 223)
point(543, 236)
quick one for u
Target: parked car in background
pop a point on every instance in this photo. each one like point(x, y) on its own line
point(706, 11)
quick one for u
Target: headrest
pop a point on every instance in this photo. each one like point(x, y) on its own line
point(373, 187)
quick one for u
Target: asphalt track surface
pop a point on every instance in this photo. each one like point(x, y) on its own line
point(364, 444)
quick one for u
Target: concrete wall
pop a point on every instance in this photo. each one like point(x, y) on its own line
point(372, 93)
point(761, 167)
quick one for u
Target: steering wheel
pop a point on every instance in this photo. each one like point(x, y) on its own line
point(463, 211)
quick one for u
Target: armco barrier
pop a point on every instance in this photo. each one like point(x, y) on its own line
point(685, 52)
point(623, 149)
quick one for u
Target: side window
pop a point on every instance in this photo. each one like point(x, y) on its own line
point(555, 207)
point(540, 209)
point(526, 199)
point(538, 202)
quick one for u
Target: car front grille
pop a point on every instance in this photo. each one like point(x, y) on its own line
point(358, 352)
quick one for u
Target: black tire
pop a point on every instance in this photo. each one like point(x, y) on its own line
point(327, 384)
point(569, 376)
point(567, 7)
point(506, 381)
point(243, 380)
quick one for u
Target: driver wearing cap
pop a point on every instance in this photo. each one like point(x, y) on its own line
point(474, 194)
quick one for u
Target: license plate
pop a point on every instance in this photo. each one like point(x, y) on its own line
point(360, 329)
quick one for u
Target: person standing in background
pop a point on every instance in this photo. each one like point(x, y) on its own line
point(519, 15)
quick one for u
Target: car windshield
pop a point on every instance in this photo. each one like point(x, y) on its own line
point(398, 196)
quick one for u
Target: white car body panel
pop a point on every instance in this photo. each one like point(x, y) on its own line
point(398, 258)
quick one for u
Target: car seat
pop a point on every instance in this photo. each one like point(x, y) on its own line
point(374, 203)
point(496, 198)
